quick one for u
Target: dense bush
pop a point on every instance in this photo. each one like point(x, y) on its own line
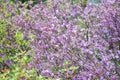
point(66, 40)
point(14, 49)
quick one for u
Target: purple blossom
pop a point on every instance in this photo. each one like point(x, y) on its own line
point(8, 63)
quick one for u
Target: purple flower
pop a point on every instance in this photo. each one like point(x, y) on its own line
point(8, 63)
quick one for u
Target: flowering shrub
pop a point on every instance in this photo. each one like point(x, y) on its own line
point(70, 41)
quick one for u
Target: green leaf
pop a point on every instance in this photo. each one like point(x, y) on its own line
point(66, 63)
point(8, 14)
point(19, 36)
point(75, 1)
